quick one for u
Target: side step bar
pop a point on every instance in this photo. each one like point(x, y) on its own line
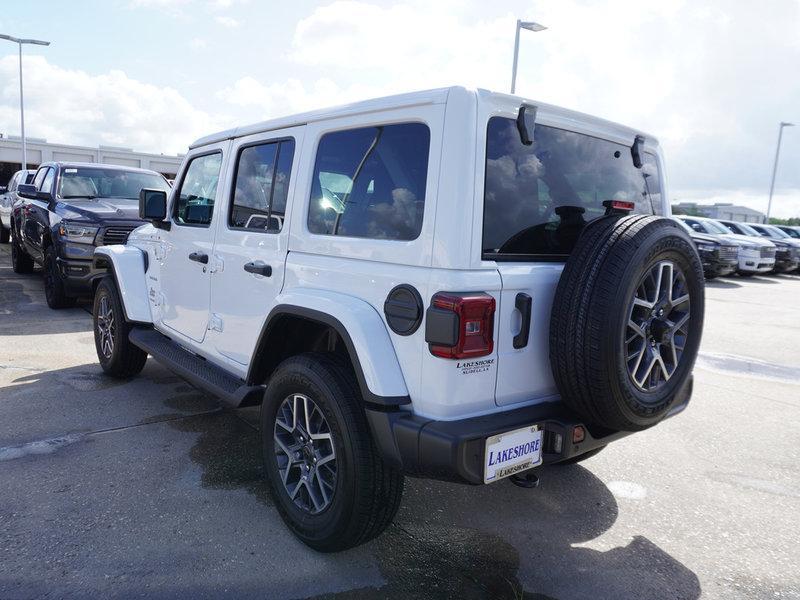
point(230, 389)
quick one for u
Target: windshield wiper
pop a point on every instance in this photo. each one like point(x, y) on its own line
point(87, 196)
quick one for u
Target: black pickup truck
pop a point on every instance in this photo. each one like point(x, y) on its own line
point(68, 210)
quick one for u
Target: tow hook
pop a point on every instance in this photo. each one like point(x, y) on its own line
point(526, 479)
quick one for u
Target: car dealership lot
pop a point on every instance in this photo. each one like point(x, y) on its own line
point(150, 488)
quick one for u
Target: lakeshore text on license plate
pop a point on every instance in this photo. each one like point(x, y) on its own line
point(512, 452)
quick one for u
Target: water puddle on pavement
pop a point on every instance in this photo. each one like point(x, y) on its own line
point(229, 453)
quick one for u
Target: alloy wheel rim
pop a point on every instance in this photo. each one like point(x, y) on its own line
point(305, 453)
point(106, 327)
point(658, 326)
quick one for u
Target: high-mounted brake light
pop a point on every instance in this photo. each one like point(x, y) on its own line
point(460, 325)
point(616, 206)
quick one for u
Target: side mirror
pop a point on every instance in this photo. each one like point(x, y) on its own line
point(153, 207)
point(30, 192)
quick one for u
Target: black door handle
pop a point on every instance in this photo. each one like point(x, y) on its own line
point(259, 268)
point(200, 257)
point(523, 304)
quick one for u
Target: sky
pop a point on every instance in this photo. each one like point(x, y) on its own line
point(710, 78)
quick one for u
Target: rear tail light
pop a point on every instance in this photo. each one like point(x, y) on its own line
point(460, 325)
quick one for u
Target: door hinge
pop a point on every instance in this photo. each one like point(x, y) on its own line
point(215, 323)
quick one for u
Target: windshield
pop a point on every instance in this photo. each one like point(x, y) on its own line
point(791, 232)
point(776, 232)
point(94, 182)
point(716, 227)
point(747, 230)
point(538, 198)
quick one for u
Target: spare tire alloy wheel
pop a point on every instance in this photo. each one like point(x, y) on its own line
point(658, 325)
point(626, 321)
point(305, 453)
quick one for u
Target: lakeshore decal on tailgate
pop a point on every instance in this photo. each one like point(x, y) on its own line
point(475, 366)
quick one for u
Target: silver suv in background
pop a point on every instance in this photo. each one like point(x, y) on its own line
point(787, 252)
point(8, 196)
point(756, 254)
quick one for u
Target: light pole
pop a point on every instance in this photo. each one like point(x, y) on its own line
point(19, 42)
point(775, 166)
point(530, 26)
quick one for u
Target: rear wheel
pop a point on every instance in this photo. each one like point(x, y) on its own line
point(329, 482)
point(21, 262)
point(117, 355)
point(626, 321)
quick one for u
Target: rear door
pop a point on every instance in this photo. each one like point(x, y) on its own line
point(537, 200)
point(252, 240)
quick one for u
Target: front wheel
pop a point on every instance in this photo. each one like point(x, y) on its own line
point(329, 482)
point(117, 355)
point(5, 234)
point(54, 291)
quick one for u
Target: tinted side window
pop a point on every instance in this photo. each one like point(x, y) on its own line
point(261, 186)
point(538, 198)
point(194, 204)
point(47, 184)
point(370, 182)
point(40, 174)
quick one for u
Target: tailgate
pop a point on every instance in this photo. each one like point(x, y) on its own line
point(523, 374)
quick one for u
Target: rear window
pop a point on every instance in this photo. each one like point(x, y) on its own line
point(538, 198)
point(370, 182)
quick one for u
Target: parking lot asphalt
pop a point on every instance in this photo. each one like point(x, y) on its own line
point(148, 488)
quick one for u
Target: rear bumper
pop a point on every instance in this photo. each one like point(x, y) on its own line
point(454, 450)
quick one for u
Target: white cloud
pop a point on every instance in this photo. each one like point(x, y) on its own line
point(229, 22)
point(110, 108)
point(258, 101)
point(197, 43)
point(711, 80)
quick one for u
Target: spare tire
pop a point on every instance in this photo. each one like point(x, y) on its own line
point(626, 321)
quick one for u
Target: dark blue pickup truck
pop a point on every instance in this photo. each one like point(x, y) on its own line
point(68, 210)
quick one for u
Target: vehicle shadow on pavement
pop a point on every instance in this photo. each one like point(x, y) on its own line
point(722, 283)
point(457, 541)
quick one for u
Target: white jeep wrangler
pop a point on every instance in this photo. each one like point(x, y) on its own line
point(445, 284)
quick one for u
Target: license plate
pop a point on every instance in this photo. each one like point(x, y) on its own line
point(511, 452)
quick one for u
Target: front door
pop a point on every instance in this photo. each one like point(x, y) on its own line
point(251, 243)
point(186, 250)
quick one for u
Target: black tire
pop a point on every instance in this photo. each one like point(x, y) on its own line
point(5, 234)
point(21, 261)
point(366, 492)
point(54, 291)
point(590, 341)
point(122, 359)
point(582, 457)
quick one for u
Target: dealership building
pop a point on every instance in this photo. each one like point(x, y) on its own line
point(39, 151)
point(720, 210)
